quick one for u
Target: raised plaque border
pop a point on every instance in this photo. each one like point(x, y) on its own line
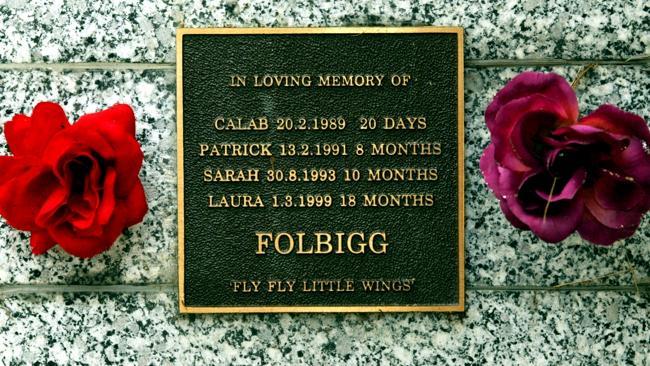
point(180, 32)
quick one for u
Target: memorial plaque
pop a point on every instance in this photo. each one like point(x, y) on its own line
point(320, 169)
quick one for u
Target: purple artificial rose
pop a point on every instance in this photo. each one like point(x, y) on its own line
point(554, 174)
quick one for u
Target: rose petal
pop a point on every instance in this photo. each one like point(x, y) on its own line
point(616, 192)
point(116, 125)
point(488, 166)
point(72, 143)
point(614, 219)
point(529, 132)
point(609, 118)
point(81, 213)
point(582, 135)
point(29, 135)
point(512, 140)
point(556, 226)
point(634, 161)
point(17, 132)
point(86, 246)
point(135, 205)
point(52, 210)
point(592, 230)
point(125, 151)
point(11, 166)
point(550, 85)
point(21, 198)
point(598, 147)
point(510, 181)
point(511, 217)
point(567, 191)
point(40, 242)
point(128, 161)
point(563, 160)
point(107, 205)
point(553, 224)
point(84, 173)
point(501, 181)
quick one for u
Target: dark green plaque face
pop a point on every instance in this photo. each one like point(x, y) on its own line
point(320, 169)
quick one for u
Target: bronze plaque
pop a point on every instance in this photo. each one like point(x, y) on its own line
point(320, 169)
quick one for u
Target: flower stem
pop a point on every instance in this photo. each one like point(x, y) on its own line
point(548, 202)
point(583, 71)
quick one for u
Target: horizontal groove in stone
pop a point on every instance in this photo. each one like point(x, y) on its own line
point(19, 289)
point(469, 63)
point(84, 66)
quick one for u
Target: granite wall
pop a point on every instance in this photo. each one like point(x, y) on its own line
point(527, 302)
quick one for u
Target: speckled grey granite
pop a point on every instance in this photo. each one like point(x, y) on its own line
point(534, 328)
point(147, 252)
point(143, 30)
point(494, 29)
point(497, 254)
point(80, 30)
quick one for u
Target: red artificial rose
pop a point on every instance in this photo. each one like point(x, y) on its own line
point(73, 185)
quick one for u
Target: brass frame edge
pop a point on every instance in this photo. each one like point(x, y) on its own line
point(317, 30)
point(180, 172)
point(322, 309)
point(460, 112)
point(460, 307)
